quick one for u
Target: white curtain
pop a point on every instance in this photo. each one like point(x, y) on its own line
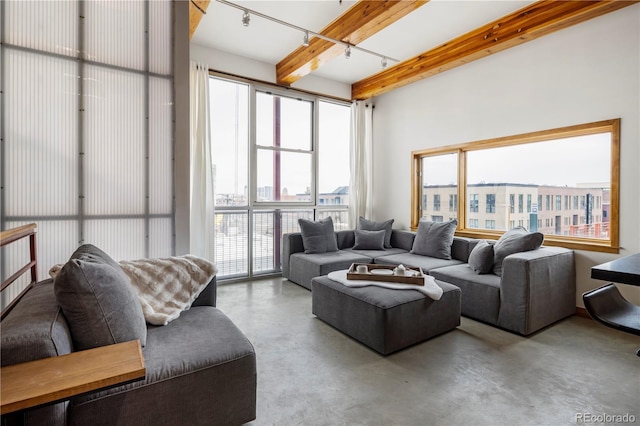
point(361, 163)
point(202, 203)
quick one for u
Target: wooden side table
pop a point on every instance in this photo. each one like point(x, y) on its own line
point(59, 378)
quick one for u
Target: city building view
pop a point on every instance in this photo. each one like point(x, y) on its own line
point(581, 211)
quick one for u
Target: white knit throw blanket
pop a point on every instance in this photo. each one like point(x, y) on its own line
point(165, 287)
point(168, 286)
point(430, 288)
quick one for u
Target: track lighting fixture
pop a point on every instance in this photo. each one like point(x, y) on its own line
point(246, 18)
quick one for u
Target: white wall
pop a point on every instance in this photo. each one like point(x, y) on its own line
point(586, 73)
point(250, 68)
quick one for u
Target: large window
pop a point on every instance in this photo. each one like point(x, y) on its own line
point(87, 127)
point(583, 168)
point(285, 159)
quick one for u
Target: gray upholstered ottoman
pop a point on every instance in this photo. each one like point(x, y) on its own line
point(386, 320)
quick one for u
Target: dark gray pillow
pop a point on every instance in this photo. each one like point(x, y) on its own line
point(369, 240)
point(434, 239)
point(368, 225)
point(318, 237)
point(513, 241)
point(481, 257)
point(98, 300)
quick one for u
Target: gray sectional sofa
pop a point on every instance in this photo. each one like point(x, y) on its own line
point(536, 288)
point(200, 368)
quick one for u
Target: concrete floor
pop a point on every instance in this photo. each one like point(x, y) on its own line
point(311, 374)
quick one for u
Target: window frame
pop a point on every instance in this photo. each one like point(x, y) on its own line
point(612, 126)
point(254, 148)
point(253, 207)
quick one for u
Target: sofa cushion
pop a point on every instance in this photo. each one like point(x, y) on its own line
point(304, 267)
point(427, 263)
point(480, 293)
point(374, 254)
point(98, 300)
point(385, 226)
point(434, 239)
point(513, 241)
point(318, 237)
point(481, 257)
point(369, 240)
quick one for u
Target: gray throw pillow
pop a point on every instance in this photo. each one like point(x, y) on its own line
point(481, 257)
point(368, 225)
point(369, 240)
point(318, 237)
point(513, 241)
point(434, 239)
point(98, 300)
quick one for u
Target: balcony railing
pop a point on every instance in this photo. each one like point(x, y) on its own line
point(268, 226)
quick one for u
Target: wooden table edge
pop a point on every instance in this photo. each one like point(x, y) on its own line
point(125, 364)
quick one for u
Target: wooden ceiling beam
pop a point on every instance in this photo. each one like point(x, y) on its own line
point(197, 8)
point(529, 23)
point(359, 22)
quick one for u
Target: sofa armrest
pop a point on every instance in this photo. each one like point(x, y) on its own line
point(291, 243)
point(209, 295)
point(537, 288)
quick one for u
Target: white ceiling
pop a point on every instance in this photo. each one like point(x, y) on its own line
point(428, 26)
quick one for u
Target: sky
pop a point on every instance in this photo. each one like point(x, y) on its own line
point(563, 162)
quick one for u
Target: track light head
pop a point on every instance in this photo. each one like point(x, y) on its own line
point(305, 40)
point(246, 18)
point(384, 62)
point(347, 52)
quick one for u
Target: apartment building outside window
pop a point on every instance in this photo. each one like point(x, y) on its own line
point(490, 224)
point(453, 202)
point(528, 203)
point(512, 203)
point(558, 202)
